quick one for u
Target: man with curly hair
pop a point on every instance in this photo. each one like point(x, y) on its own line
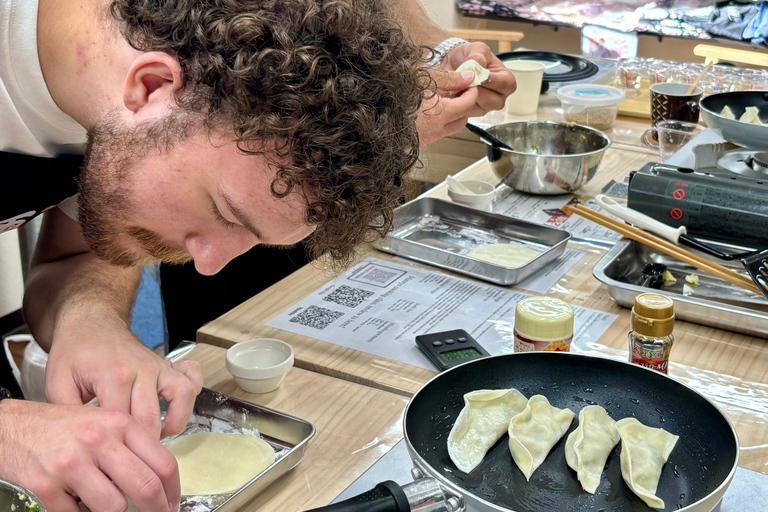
point(211, 126)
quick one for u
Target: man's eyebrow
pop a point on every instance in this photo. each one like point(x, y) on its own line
point(240, 216)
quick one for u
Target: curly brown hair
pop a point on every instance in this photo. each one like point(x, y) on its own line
point(332, 87)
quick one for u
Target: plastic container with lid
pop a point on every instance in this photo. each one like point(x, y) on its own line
point(543, 324)
point(592, 105)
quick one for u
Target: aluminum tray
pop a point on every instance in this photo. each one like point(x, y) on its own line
point(441, 233)
point(287, 434)
point(715, 302)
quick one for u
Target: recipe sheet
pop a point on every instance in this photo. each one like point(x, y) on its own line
point(547, 210)
point(380, 307)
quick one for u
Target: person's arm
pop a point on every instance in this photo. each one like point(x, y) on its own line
point(450, 110)
point(415, 19)
point(67, 281)
point(78, 308)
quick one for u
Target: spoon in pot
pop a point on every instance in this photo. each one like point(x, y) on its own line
point(488, 138)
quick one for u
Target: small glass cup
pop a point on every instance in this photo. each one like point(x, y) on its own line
point(672, 136)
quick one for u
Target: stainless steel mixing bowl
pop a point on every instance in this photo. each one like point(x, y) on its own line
point(549, 158)
point(16, 498)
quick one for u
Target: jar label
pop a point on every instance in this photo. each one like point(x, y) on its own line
point(655, 357)
point(523, 344)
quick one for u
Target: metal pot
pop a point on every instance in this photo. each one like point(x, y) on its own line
point(15, 497)
point(549, 158)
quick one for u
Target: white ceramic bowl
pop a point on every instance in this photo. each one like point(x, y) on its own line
point(259, 365)
point(482, 198)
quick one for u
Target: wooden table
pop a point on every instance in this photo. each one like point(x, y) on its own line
point(731, 368)
point(356, 425)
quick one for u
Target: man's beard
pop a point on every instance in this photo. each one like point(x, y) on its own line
point(104, 207)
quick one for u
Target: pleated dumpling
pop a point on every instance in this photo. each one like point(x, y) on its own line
point(483, 420)
point(588, 447)
point(644, 451)
point(535, 431)
point(481, 73)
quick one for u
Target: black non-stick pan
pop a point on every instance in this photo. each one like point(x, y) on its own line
point(697, 474)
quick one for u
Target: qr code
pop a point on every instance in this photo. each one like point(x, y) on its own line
point(379, 275)
point(348, 296)
point(316, 317)
point(376, 275)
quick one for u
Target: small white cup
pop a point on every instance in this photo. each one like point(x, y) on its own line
point(528, 75)
point(259, 365)
point(481, 198)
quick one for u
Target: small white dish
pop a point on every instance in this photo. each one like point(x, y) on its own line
point(481, 197)
point(259, 365)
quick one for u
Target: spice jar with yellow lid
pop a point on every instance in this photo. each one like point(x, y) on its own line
point(543, 324)
point(650, 338)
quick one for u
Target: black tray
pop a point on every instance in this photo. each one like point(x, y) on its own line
point(580, 68)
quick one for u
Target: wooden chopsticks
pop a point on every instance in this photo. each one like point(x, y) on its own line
point(661, 245)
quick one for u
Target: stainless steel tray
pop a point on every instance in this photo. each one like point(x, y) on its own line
point(441, 233)
point(715, 302)
point(221, 413)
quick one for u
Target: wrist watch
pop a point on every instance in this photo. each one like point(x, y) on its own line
point(442, 49)
point(4, 393)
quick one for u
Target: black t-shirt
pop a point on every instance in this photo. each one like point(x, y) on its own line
point(30, 186)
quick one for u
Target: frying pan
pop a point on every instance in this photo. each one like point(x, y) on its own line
point(694, 479)
point(751, 136)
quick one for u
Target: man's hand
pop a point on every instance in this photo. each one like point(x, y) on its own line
point(456, 102)
point(60, 452)
point(97, 356)
point(493, 92)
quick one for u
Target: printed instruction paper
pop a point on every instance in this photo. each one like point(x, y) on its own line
point(547, 210)
point(380, 307)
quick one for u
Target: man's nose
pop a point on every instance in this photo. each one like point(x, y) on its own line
point(212, 253)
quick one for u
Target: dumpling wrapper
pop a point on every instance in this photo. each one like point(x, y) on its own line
point(535, 431)
point(213, 463)
point(727, 113)
point(481, 73)
point(644, 451)
point(506, 255)
point(588, 447)
point(483, 420)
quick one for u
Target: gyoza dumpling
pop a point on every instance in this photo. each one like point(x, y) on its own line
point(644, 450)
point(534, 432)
point(727, 113)
point(483, 420)
point(481, 73)
point(751, 115)
point(587, 448)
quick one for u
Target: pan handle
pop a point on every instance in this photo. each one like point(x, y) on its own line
point(422, 495)
point(386, 497)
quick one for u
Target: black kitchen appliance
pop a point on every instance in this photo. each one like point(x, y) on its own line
point(726, 207)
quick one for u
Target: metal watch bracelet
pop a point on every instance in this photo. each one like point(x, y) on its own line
point(442, 49)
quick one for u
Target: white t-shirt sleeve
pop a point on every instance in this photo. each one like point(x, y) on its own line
point(69, 207)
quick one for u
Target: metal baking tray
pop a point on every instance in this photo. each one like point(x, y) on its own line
point(289, 436)
point(441, 233)
point(714, 302)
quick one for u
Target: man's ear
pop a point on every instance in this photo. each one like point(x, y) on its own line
point(152, 79)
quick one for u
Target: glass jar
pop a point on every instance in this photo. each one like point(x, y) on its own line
point(650, 337)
